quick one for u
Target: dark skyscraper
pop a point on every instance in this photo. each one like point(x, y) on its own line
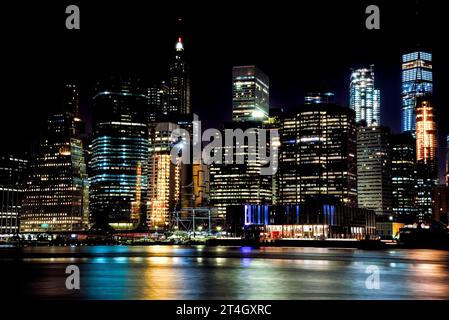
point(318, 155)
point(179, 81)
point(57, 197)
point(119, 155)
point(158, 101)
point(13, 172)
point(403, 177)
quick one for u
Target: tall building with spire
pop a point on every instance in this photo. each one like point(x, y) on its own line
point(417, 81)
point(179, 81)
point(57, 196)
point(364, 98)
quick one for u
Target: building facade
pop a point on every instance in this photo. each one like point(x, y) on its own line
point(416, 81)
point(364, 98)
point(239, 183)
point(250, 94)
point(57, 193)
point(164, 176)
point(403, 177)
point(374, 169)
point(13, 175)
point(426, 156)
point(318, 155)
point(119, 155)
point(315, 221)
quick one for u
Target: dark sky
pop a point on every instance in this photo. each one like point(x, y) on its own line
point(301, 46)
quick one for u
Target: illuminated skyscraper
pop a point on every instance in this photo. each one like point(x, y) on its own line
point(179, 82)
point(364, 99)
point(416, 81)
point(403, 173)
point(119, 159)
point(426, 156)
point(250, 94)
point(318, 155)
point(374, 169)
point(13, 172)
point(163, 176)
point(57, 197)
point(237, 184)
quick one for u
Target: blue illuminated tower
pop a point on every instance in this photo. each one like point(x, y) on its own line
point(119, 159)
point(416, 82)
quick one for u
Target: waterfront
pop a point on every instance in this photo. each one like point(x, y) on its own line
point(201, 272)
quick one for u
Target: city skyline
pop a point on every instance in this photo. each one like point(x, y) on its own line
point(293, 71)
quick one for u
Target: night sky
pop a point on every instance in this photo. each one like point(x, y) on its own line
point(301, 46)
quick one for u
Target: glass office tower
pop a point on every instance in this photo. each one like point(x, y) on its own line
point(374, 169)
point(364, 99)
point(416, 81)
point(403, 177)
point(318, 155)
point(250, 94)
point(119, 155)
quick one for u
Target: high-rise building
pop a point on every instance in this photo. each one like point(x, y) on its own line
point(441, 204)
point(57, 195)
point(318, 97)
point(364, 98)
point(13, 172)
point(158, 101)
point(403, 177)
point(250, 94)
point(426, 156)
point(119, 155)
point(179, 81)
point(163, 176)
point(240, 183)
point(374, 169)
point(416, 81)
point(318, 155)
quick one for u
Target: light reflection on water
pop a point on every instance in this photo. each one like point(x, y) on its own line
point(176, 272)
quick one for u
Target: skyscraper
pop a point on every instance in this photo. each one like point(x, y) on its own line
point(318, 155)
point(403, 177)
point(426, 156)
point(374, 169)
point(250, 94)
point(13, 172)
point(119, 155)
point(237, 184)
point(364, 98)
point(163, 176)
point(158, 101)
point(416, 81)
point(57, 198)
point(179, 81)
